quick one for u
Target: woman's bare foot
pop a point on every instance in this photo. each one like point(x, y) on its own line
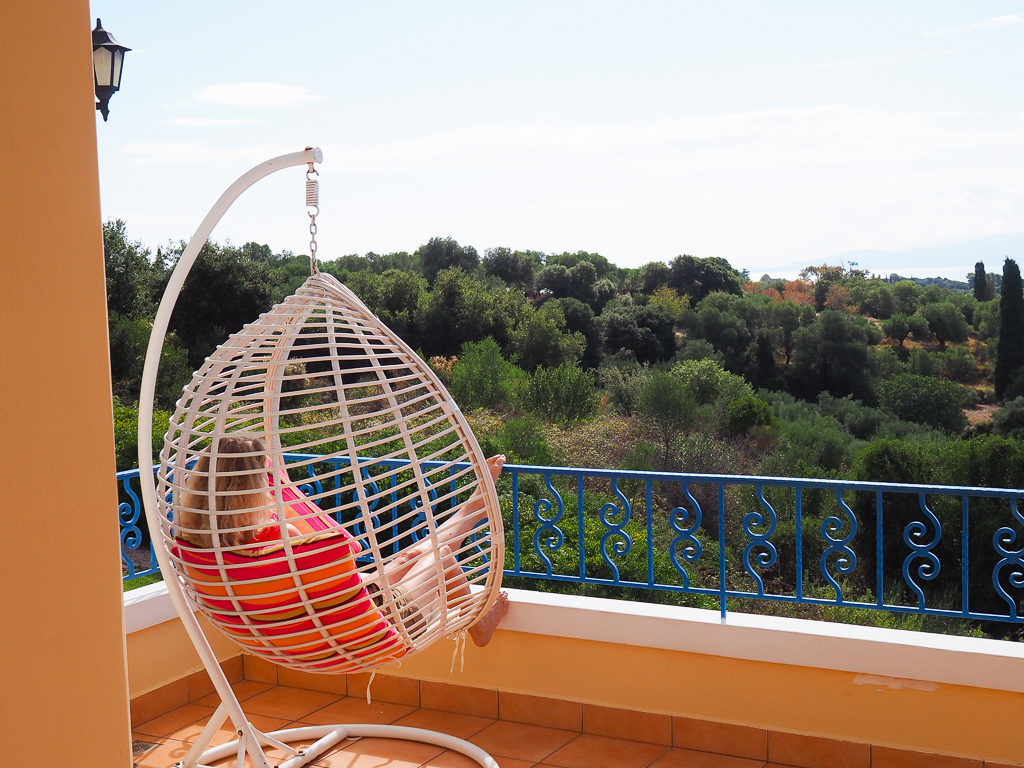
point(482, 631)
point(495, 463)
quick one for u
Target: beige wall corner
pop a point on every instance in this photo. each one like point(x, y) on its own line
point(62, 635)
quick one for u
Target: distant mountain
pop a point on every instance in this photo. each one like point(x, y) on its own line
point(954, 259)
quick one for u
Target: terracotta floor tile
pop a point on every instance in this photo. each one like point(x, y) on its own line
point(482, 702)
point(244, 689)
point(521, 741)
point(457, 760)
point(627, 724)
point(297, 678)
point(227, 731)
point(588, 751)
point(460, 726)
point(354, 710)
point(886, 757)
point(288, 703)
point(396, 690)
point(260, 670)
point(817, 752)
point(691, 758)
point(174, 720)
point(375, 753)
point(540, 710)
point(165, 754)
point(724, 738)
point(149, 706)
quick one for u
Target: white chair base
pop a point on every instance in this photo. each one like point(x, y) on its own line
point(325, 738)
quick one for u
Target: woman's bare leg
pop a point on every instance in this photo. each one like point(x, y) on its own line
point(471, 514)
point(483, 630)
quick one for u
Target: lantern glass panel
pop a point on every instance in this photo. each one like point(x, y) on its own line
point(101, 62)
point(115, 77)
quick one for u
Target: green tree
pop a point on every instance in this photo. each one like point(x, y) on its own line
point(746, 412)
point(443, 253)
point(653, 276)
point(697, 277)
point(669, 406)
point(515, 268)
point(645, 331)
point(541, 339)
point(906, 294)
point(831, 355)
point(457, 309)
point(580, 318)
point(131, 278)
point(1010, 351)
point(979, 283)
point(986, 319)
point(924, 399)
point(226, 288)
point(945, 321)
point(482, 377)
point(897, 327)
point(787, 317)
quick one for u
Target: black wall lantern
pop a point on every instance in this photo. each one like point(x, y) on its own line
point(107, 58)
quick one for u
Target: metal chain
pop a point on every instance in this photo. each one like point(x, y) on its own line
point(313, 209)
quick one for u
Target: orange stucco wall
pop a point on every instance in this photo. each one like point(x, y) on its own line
point(65, 696)
point(924, 717)
point(163, 653)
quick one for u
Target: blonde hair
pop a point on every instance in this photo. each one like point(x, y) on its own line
point(241, 466)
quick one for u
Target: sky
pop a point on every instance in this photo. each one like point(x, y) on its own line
point(888, 136)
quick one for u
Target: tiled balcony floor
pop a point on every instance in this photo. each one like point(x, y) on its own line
point(513, 745)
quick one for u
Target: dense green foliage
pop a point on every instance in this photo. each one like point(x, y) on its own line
point(567, 359)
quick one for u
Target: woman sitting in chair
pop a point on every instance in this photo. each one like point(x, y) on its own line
point(245, 515)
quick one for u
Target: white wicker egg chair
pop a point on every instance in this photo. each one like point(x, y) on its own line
point(363, 451)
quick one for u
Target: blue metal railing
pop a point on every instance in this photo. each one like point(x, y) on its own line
point(955, 552)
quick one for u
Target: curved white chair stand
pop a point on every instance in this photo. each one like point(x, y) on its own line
point(250, 741)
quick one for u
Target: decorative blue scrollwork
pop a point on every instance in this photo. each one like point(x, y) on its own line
point(128, 514)
point(615, 538)
point(686, 542)
point(1002, 541)
point(913, 537)
point(765, 554)
point(372, 502)
point(832, 531)
point(419, 521)
point(548, 536)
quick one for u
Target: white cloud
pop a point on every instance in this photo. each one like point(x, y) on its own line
point(257, 95)
point(992, 23)
point(209, 122)
point(999, 21)
point(166, 153)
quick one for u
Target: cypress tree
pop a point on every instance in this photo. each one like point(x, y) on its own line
point(1010, 352)
point(980, 284)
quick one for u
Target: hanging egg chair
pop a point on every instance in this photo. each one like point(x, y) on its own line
point(320, 498)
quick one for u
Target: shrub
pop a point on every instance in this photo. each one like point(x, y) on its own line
point(669, 406)
point(561, 394)
point(624, 385)
point(1008, 421)
point(126, 434)
point(926, 400)
point(746, 412)
point(921, 362)
point(482, 377)
point(522, 441)
point(958, 364)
